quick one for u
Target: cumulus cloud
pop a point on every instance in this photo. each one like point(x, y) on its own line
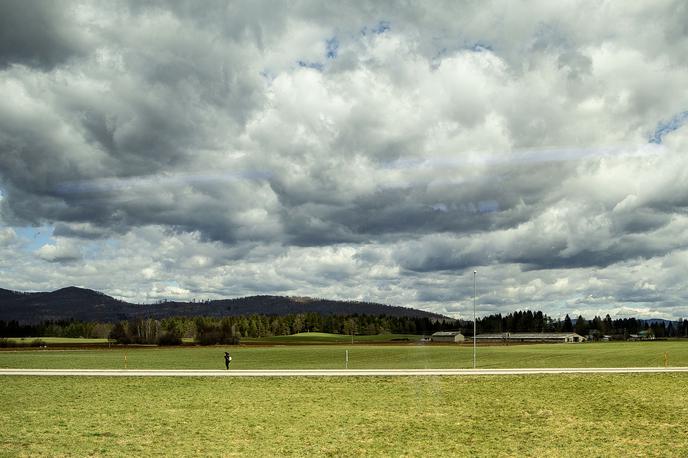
point(61, 251)
point(370, 150)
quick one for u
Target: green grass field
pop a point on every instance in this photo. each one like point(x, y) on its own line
point(304, 338)
point(325, 338)
point(58, 340)
point(361, 356)
point(563, 415)
point(548, 415)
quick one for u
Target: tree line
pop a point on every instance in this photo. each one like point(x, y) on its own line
point(528, 321)
point(213, 330)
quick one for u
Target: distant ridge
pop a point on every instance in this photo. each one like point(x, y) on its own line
point(82, 304)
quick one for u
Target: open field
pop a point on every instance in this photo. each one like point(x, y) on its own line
point(533, 415)
point(562, 415)
point(305, 338)
point(58, 340)
point(71, 341)
point(325, 338)
point(412, 356)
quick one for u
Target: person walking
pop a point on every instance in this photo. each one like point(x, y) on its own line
point(228, 359)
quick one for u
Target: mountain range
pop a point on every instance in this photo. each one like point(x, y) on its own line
point(82, 304)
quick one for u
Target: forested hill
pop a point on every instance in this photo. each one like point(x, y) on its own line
point(88, 305)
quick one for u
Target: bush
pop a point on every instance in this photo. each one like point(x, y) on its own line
point(119, 334)
point(209, 337)
point(214, 337)
point(38, 343)
point(170, 338)
point(209, 332)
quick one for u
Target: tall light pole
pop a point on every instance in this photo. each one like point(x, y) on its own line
point(474, 320)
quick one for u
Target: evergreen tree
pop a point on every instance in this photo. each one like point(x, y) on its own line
point(607, 325)
point(582, 326)
point(568, 326)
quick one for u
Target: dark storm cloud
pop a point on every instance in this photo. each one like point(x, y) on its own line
point(185, 82)
point(420, 205)
point(367, 149)
point(585, 258)
point(161, 104)
point(640, 220)
point(583, 238)
point(38, 34)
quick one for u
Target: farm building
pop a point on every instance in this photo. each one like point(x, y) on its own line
point(642, 335)
point(554, 337)
point(448, 336)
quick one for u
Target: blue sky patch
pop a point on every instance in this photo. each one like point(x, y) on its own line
point(379, 28)
point(92, 250)
point(488, 206)
point(479, 47)
point(36, 236)
point(331, 48)
point(666, 127)
point(314, 65)
point(382, 27)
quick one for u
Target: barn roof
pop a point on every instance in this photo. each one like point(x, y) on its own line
point(528, 335)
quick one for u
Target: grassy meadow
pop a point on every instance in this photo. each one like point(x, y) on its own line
point(561, 415)
point(535, 415)
point(326, 338)
point(58, 340)
point(361, 356)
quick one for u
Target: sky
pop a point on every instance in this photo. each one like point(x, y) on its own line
point(379, 151)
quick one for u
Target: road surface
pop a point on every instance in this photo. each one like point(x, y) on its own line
point(333, 372)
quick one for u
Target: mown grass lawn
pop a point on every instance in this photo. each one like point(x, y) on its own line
point(361, 356)
point(561, 415)
point(326, 338)
point(57, 340)
point(306, 338)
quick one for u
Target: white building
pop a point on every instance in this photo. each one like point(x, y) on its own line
point(448, 336)
point(554, 337)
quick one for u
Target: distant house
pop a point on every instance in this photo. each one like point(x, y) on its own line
point(553, 337)
point(448, 336)
point(642, 335)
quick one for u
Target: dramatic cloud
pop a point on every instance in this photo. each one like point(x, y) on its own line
point(371, 150)
point(40, 35)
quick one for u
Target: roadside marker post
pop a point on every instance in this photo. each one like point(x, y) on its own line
point(346, 360)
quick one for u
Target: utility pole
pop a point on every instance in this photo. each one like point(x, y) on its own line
point(475, 327)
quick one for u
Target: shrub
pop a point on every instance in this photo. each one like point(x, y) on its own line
point(37, 343)
point(170, 338)
point(119, 334)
